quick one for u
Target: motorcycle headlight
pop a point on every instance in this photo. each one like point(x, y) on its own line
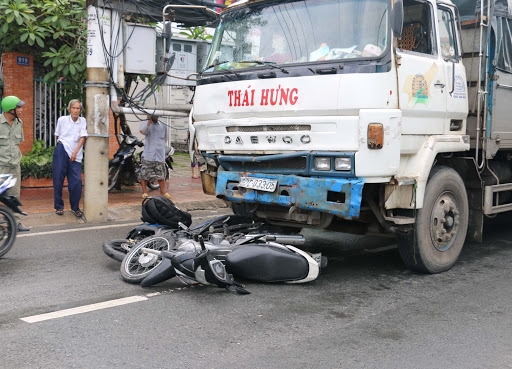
point(130, 139)
point(218, 269)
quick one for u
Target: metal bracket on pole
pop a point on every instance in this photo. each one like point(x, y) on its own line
point(97, 84)
point(97, 135)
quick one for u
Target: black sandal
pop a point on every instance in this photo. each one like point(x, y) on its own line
point(78, 213)
point(59, 211)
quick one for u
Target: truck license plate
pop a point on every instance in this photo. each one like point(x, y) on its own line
point(261, 184)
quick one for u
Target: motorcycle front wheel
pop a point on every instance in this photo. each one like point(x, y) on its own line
point(138, 264)
point(8, 229)
point(113, 176)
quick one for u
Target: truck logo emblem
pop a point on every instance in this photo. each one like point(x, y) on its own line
point(417, 86)
point(227, 140)
point(239, 140)
point(305, 139)
point(287, 140)
point(271, 139)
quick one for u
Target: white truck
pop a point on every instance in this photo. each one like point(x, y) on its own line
point(361, 116)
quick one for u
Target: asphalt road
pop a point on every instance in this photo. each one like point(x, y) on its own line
point(364, 311)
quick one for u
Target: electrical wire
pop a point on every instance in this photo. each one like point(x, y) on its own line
point(141, 12)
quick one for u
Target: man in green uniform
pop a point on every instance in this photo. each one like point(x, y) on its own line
point(11, 135)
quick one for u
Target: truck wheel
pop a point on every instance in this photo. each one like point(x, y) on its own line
point(441, 225)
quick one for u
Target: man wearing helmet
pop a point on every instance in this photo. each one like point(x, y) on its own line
point(11, 135)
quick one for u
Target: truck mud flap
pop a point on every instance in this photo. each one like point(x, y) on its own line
point(338, 196)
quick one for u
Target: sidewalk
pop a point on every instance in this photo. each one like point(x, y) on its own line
point(187, 193)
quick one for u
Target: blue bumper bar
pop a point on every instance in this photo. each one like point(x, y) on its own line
point(338, 196)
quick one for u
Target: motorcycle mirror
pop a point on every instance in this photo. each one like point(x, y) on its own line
point(201, 242)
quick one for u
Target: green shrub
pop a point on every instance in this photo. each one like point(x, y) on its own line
point(37, 163)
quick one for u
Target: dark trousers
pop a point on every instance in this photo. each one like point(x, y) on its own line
point(62, 168)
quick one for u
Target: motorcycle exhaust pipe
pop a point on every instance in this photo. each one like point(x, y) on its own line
point(285, 239)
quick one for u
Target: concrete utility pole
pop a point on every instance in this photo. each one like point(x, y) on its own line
point(97, 116)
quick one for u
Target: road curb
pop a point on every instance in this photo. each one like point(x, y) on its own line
point(129, 212)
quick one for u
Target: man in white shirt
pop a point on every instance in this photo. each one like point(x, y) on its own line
point(71, 132)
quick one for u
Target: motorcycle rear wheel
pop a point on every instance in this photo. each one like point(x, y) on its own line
point(137, 265)
point(8, 229)
point(118, 248)
point(153, 184)
point(113, 176)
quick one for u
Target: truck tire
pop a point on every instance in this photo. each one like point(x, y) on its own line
point(435, 243)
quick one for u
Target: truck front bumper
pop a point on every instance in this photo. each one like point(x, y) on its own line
point(338, 196)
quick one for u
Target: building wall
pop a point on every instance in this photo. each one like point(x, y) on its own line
point(18, 76)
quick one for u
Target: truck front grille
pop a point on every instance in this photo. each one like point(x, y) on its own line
point(270, 128)
point(286, 165)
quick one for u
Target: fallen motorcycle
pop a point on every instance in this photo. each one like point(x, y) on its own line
point(254, 258)
point(8, 222)
point(258, 256)
point(226, 224)
point(136, 264)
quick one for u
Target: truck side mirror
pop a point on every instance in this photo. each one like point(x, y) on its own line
point(397, 16)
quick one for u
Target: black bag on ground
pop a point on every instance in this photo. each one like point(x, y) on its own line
point(161, 210)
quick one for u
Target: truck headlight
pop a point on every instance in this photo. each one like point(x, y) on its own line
point(344, 164)
point(322, 163)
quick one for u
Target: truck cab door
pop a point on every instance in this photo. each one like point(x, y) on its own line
point(421, 72)
point(455, 73)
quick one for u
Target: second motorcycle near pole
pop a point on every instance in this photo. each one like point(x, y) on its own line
point(125, 166)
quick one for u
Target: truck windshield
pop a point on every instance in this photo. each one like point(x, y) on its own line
point(305, 31)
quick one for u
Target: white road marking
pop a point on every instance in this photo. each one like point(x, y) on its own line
point(83, 309)
point(31, 234)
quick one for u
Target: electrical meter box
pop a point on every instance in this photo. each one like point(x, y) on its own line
point(187, 56)
point(202, 54)
point(140, 50)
